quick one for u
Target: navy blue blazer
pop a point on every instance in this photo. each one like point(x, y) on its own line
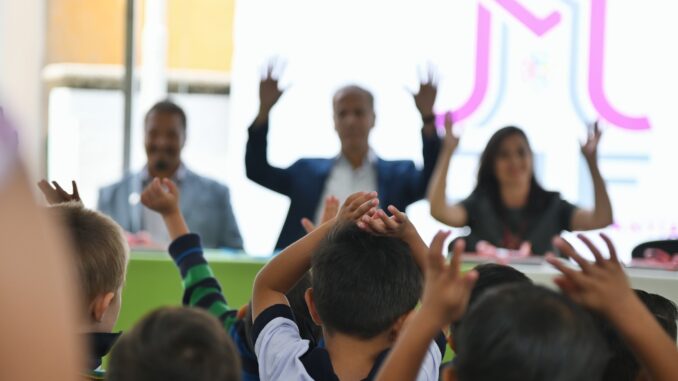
point(399, 182)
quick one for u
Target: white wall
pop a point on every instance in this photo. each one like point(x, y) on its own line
point(22, 28)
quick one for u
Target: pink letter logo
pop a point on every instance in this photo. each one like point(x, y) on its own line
point(541, 26)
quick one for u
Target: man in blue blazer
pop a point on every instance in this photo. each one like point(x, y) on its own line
point(205, 203)
point(308, 182)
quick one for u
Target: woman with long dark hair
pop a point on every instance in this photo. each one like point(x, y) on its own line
point(508, 208)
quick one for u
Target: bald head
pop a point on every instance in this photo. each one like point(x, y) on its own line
point(353, 120)
point(353, 90)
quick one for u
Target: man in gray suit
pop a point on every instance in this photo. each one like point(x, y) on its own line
point(204, 202)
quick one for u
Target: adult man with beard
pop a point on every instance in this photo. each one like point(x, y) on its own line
point(205, 203)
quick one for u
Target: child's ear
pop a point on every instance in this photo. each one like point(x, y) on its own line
point(450, 341)
point(449, 374)
point(308, 296)
point(399, 324)
point(100, 305)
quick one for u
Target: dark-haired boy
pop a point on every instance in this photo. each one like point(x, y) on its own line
point(490, 276)
point(364, 287)
point(175, 343)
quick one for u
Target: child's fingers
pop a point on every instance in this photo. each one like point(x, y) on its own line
point(156, 186)
point(571, 274)
point(76, 194)
point(449, 122)
point(60, 190)
point(397, 214)
point(567, 286)
point(45, 187)
point(569, 251)
point(375, 225)
point(307, 224)
point(171, 186)
point(331, 206)
point(435, 259)
point(457, 251)
point(355, 200)
point(388, 222)
point(364, 207)
point(366, 227)
point(596, 253)
point(610, 247)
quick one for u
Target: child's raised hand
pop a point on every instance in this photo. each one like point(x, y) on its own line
point(446, 290)
point(357, 205)
point(329, 212)
point(398, 225)
point(161, 196)
point(601, 285)
point(55, 194)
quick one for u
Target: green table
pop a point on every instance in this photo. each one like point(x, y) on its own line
point(154, 281)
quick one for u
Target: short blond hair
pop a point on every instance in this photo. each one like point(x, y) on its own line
point(100, 249)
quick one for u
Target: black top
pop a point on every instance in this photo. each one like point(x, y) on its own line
point(537, 224)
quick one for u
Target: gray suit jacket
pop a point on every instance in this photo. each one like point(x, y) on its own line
point(205, 203)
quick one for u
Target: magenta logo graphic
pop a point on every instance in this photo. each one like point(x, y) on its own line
point(541, 26)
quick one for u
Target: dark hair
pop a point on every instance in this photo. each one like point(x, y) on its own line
point(491, 275)
point(528, 333)
point(487, 182)
point(363, 283)
point(308, 330)
point(623, 366)
point(663, 309)
point(167, 107)
point(354, 89)
point(175, 343)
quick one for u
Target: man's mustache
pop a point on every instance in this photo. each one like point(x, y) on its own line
point(161, 165)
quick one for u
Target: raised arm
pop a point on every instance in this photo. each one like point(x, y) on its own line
point(282, 272)
point(257, 167)
point(601, 215)
point(452, 215)
point(201, 288)
point(446, 294)
point(602, 286)
point(425, 100)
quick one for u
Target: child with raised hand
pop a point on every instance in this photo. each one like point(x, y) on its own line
point(201, 289)
point(603, 287)
point(364, 288)
point(100, 253)
point(446, 294)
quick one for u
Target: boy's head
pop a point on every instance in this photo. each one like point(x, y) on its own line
point(525, 332)
point(664, 311)
point(623, 366)
point(175, 343)
point(100, 252)
point(490, 275)
point(362, 284)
